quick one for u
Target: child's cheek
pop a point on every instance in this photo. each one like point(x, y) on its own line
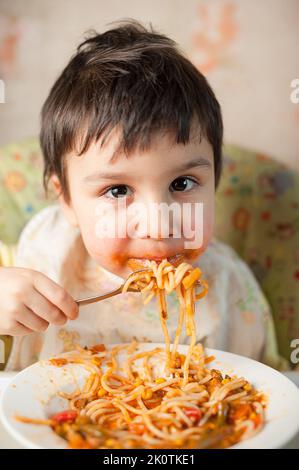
point(208, 229)
point(108, 252)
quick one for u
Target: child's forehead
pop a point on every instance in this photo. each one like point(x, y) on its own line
point(112, 148)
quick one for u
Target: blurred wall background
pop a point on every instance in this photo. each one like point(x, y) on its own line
point(248, 49)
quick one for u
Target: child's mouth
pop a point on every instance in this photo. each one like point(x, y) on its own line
point(139, 263)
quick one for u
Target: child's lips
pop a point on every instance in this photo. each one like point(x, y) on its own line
point(141, 262)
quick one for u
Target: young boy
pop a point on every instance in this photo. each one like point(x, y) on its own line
point(129, 113)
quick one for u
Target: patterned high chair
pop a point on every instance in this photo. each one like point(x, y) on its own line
point(257, 213)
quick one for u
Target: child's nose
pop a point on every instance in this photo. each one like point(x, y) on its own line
point(156, 224)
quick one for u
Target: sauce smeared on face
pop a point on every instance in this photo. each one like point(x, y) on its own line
point(183, 256)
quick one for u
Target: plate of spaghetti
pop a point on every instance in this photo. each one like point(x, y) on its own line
point(154, 396)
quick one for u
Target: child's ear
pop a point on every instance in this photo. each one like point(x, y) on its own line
point(65, 205)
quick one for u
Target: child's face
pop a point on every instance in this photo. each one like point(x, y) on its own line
point(152, 176)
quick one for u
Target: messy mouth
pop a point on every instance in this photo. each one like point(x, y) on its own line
point(135, 263)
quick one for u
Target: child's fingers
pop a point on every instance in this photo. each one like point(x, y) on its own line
point(43, 308)
point(30, 320)
point(57, 295)
point(21, 330)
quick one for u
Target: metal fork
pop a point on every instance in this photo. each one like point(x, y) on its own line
point(97, 298)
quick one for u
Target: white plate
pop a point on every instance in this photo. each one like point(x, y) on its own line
point(32, 393)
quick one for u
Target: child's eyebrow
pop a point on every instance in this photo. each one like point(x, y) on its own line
point(202, 162)
point(98, 176)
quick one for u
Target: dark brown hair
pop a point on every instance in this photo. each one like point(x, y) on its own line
point(130, 77)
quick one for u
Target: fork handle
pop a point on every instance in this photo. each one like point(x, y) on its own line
point(91, 300)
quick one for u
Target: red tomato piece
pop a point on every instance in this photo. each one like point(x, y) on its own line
point(67, 416)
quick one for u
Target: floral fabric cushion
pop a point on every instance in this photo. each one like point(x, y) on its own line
point(21, 191)
point(257, 213)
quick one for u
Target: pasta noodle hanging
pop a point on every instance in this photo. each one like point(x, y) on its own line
point(162, 279)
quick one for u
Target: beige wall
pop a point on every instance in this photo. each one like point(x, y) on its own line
point(249, 50)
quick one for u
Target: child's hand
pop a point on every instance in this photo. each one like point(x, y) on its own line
point(30, 301)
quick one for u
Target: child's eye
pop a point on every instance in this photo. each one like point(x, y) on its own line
point(183, 183)
point(117, 192)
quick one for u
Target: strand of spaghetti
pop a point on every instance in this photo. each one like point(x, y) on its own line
point(154, 429)
point(172, 280)
point(153, 266)
point(173, 418)
point(69, 396)
point(150, 440)
point(163, 316)
point(24, 419)
point(206, 379)
point(180, 324)
point(167, 436)
point(132, 347)
point(187, 360)
point(155, 388)
point(160, 269)
point(137, 411)
point(78, 393)
point(165, 282)
point(182, 403)
point(182, 416)
point(149, 298)
point(236, 396)
point(101, 413)
point(185, 398)
point(119, 421)
point(93, 386)
point(87, 365)
point(121, 378)
point(180, 370)
point(169, 282)
point(112, 416)
point(94, 405)
point(142, 405)
point(149, 286)
point(136, 392)
point(158, 415)
point(127, 367)
point(113, 353)
point(248, 429)
point(146, 364)
point(111, 370)
point(191, 324)
point(106, 386)
point(204, 292)
point(123, 410)
point(188, 298)
point(75, 404)
point(252, 428)
point(180, 272)
point(130, 280)
point(221, 393)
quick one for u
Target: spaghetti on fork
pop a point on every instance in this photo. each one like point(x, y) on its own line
point(161, 279)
